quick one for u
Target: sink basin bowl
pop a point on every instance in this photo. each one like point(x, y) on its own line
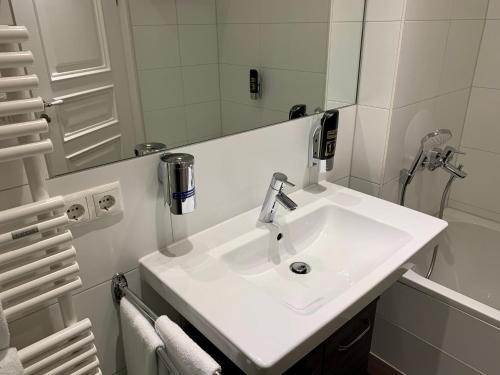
point(337, 246)
point(267, 294)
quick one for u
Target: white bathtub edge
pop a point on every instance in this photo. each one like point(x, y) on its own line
point(466, 304)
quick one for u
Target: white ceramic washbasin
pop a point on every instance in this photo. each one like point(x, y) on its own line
point(234, 283)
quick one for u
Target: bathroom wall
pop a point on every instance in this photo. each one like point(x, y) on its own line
point(344, 49)
point(477, 194)
point(232, 175)
point(418, 63)
point(417, 69)
point(177, 62)
point(287, 43)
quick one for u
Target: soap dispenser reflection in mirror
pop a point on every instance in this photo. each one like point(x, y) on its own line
point(176, 175)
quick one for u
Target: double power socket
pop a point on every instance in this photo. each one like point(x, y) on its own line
point(92, 204)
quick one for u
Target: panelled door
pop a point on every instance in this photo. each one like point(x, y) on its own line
point(80, 53)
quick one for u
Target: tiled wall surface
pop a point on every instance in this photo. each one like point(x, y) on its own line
point(417, 70)
point(287, 43)
point(177, 61)
point(232, 175)
point(346, 28)
point(478, 193)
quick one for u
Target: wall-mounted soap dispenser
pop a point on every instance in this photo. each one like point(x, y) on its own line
point(176, 174)
point(255, 84)
point(323, 140)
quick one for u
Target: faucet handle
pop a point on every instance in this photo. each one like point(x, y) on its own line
point(280, 179)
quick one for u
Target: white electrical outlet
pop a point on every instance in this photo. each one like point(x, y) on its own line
point(77, 208)
point(92, 204)
point(108, 202)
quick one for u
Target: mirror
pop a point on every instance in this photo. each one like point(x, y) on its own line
point(175, 72)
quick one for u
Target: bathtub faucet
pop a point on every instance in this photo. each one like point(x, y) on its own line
point(443, 159)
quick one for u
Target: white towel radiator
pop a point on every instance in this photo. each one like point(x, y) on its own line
point(37, 261)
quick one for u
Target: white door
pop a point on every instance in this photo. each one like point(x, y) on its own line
point(80, 59)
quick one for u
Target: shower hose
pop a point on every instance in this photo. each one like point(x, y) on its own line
point(444, 200)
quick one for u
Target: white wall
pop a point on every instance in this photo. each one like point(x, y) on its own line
point(232, 174)
point(287, 43)
point(477, 194)
point(418, 63)
point(417, 69)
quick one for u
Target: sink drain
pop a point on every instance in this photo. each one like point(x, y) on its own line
point(300, 268)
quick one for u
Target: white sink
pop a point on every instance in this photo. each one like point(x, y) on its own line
point(338, 245)
point(234, 282)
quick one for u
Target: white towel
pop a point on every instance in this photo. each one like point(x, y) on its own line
point(10, 363)
point(139, 340)
point(185, 354)
point(4, 330)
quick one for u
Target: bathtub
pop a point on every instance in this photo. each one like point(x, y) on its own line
point(450, 324)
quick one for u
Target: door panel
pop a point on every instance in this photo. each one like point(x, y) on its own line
point(80, 58)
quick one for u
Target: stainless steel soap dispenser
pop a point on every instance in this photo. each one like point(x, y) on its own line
point(176, 174)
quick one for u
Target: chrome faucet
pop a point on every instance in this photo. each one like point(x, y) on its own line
point(439, 158)
point(275, 195)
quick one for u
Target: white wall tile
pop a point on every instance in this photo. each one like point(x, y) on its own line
point(464, 40)
point(296, 46)
point(278, 11)
point(234, 84)
point(469, 9)
point(390, 191)
point(493, 9)
point(380, 50)
point(347, 10)
point(161, 88)
point(284, 88)
point(487, 72)
point(156, 46)
point(343, 61)
point(421, 60)
point(482, 130)
point(196, 12)
point(201, 83)
point(411, 123)
point(428, 9)
point(153, 12)
point(166, 126)
point(198, 44)
point(476, 190)
point(384, 10)
point(364, 186)
point(238, 11)
point(369, 143)
point(203, 121)
point(239, 44)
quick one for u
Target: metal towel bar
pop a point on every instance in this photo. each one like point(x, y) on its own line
point(119, 289)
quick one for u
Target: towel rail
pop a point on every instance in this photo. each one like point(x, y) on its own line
point(119, 289)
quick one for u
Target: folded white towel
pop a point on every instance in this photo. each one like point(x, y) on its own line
point(185, 354)
point(139, 340)
point(4, 330)
point(10, 363)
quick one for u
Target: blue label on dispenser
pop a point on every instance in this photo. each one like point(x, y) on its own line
point(183, 195)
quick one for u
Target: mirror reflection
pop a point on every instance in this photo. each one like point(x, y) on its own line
point(174, 72)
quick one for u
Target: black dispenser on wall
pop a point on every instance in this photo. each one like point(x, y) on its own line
point(254, 84)
point(323, 141)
